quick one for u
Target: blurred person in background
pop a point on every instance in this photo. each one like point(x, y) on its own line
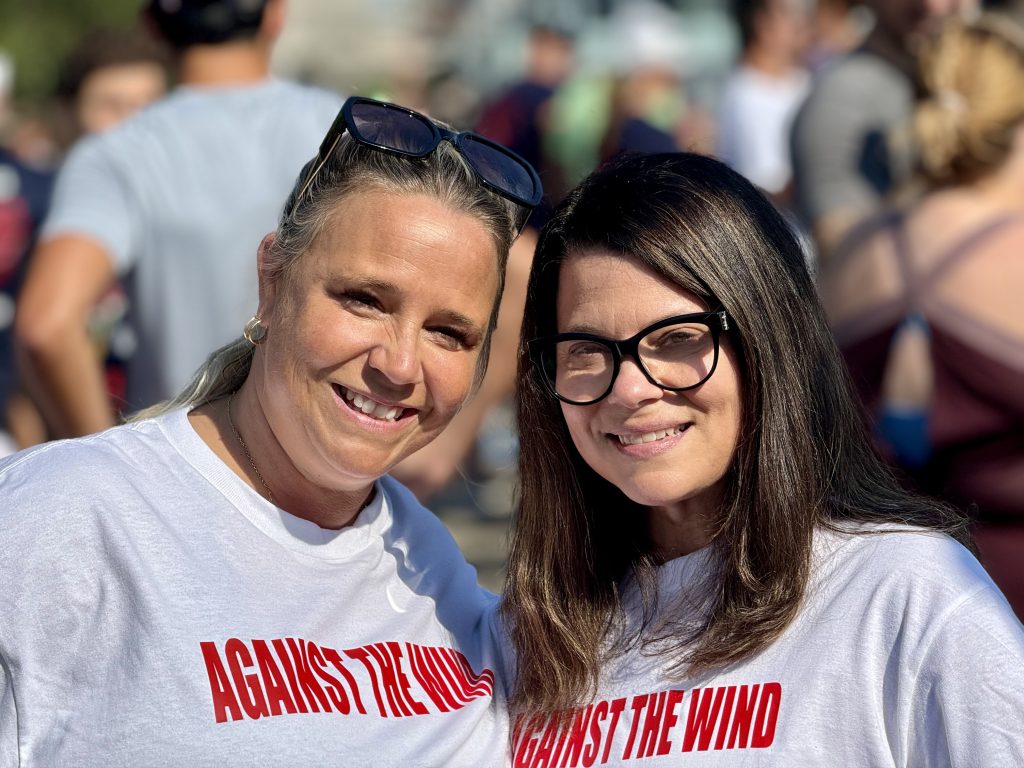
point(645, 106)
point(837, 27)
point(106, 78)
point(24, 196)
point(926, 299)
point(849, 144)
point(173, 201)
point(647, 101)
point(237, 555)
point(761, 96)
point(633, 97)
point(517, 118)
point(110, 75)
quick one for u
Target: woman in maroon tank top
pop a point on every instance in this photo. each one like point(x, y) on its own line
point(927, 301)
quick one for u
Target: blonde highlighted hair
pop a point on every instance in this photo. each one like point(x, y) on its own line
point(973, 76)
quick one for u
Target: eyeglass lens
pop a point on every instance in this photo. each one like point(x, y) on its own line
point(675, 357)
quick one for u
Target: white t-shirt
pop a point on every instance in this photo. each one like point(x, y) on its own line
point(180, 196)
point(904, 654)
point(156, 611)
point(754, 120)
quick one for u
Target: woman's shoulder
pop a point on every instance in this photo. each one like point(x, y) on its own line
point(76, 456)
point(862, 275)
point(912, 592)
point(864, 74)
point(903, 568)
point(63, 474)
point(428, 544)
point(430, 563)
point(61, 496)
point(917, 547)
point(409, 513)
point(927, 596)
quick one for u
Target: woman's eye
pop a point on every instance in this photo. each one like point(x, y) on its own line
point(360, 299)
point(681, 337)
point(452, 338)
point(585, 349)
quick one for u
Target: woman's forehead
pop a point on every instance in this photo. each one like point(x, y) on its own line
point(604, 269)
point(600, 289)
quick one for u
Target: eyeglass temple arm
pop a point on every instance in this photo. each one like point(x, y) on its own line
point(326, 148)
point(338, 127)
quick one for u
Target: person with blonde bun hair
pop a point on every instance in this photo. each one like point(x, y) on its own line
point(974, 77)
point(925, 299)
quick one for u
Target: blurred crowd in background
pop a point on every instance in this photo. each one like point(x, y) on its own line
point(821, 103)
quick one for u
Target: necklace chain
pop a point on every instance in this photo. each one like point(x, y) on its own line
point(245, 450)
point(259, 476)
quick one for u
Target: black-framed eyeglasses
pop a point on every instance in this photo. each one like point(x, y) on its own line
point(676, 354)
point(400, 131)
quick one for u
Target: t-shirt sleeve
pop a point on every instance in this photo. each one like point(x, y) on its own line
point(92, 198)
point(969, 702)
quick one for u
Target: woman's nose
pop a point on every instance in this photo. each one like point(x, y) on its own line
point(397, 358)
point(631, 387)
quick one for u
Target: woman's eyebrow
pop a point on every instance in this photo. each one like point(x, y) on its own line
point(374, 283)
point(593, 330)
point(458, 319)
point(386, 288)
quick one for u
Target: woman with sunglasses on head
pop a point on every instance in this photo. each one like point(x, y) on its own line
point(707, 555)
point(231, 579)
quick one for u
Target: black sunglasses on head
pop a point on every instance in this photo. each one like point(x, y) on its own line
point(400, 131)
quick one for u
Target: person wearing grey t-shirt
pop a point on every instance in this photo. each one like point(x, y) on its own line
point(172, 201)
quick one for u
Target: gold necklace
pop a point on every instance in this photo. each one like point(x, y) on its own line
point(245, 450)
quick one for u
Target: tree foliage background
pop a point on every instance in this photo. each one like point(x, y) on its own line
point(37, 34)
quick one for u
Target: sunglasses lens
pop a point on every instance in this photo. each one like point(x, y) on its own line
point(392, 128)
point(501, 170)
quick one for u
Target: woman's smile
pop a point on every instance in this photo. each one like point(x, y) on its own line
point(373, 409)
point(641, 442)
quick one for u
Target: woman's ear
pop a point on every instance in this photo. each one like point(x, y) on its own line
point(269, 276)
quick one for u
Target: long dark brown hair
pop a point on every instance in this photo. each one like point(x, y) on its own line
point(804, 459)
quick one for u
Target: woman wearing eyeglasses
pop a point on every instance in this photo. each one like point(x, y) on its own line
point(707, 556)
point(230, 579)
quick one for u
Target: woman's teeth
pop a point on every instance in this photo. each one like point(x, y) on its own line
point(371, 408)
point(649, 437)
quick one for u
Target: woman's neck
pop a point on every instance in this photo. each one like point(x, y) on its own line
point(244, 441)
point(1005, 186)
point(678, 529)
